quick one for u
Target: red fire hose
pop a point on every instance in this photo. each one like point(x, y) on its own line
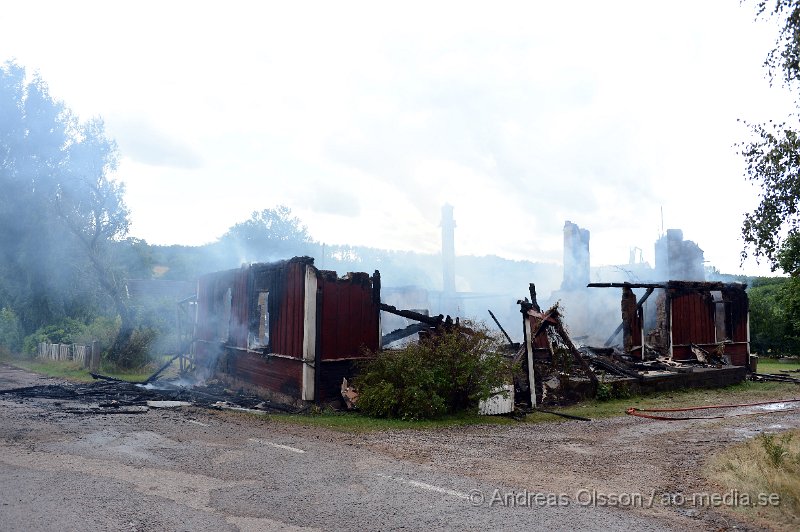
point(639, 411)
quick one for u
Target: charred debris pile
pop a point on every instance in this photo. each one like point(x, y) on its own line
point(108, 395)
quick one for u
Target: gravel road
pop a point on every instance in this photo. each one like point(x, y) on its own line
point(190, 468)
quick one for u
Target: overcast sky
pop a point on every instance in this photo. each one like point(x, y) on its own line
point(365, 117)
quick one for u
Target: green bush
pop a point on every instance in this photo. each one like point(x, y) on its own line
point(775, 316)
point(445, 373)
point(136, 352)
point(604, 392)
point(101, 330)
point(66, 331)
point(608, 391)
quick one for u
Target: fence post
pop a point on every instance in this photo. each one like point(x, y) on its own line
point(95, 366)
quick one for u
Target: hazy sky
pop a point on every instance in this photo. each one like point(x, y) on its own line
point(365, 117)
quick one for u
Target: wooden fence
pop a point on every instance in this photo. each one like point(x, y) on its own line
point(76, 352)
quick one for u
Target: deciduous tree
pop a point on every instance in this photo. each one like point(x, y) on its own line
point(772, 230)
point(268, 234)
point(60, 212)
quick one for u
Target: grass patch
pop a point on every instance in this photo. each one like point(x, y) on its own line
point(767, 464)
point(745, 392)
point(356, 422)
point(53, 368)
point(771, 365)
point(75, 371)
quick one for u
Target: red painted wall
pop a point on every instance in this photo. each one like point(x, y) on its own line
point(349, 319)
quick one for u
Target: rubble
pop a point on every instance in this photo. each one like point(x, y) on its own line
point(698, 328)
point(122, 397)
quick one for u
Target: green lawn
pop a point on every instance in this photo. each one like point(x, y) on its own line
point(745, 392)
point(76, 372)
point(771, 365)
point(355, 422)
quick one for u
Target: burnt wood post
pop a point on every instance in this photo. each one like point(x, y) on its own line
point(534, 302)
point(628, 307)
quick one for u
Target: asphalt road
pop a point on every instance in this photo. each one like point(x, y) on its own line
point(197, 469)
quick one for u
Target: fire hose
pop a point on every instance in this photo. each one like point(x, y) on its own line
point(639, 412)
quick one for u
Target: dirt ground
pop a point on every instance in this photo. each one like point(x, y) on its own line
point(192, 468)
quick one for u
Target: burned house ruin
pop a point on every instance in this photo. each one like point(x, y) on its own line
point(689, 321)
point(691, 334)
point(673, 329)
point(286, 330)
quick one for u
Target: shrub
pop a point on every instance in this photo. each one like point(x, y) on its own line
point(604, 392)
point(137, 350)
point(102, 330)
point(608, 391)
point(65, 331)
point(776, 451)
point(445, 373)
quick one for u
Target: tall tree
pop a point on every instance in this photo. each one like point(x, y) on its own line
point(59, 211)
point(92, 207)
point(268, 234)
point(32, 244)
point(772, 230)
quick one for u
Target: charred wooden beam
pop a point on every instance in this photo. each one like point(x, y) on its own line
point(416, 316)
point(609, 365)
point(534, 302)
point(776, 378)
point(376, 287)
point(575, 353)
point(160, 370)
point(510, 342)
point(97, 376)
point(568, 416)
point(399, 334)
